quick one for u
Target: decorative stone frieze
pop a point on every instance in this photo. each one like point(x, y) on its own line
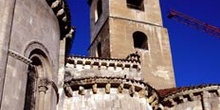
point(96, 74)
point(20, 57)
point(82, 67)
point(142, 89)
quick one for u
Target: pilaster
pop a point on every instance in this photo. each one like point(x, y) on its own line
point(6, 21)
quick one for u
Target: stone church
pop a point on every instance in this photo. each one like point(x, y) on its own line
point(129, 66)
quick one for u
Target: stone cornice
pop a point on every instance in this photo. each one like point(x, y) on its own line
point(70, 59)
point(103, 62)
point(94, 83)
point(86, 73)
point(83, 67)
point(139, 84)
point(190, 94)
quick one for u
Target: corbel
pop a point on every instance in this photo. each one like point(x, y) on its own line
point(120, 88)
point(81, 90)
point(107, 88)
point(94, 88)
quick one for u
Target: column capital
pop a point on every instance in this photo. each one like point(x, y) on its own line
point(43, 83)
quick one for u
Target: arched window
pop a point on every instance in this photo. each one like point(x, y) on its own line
point(140, 40)
point(31, 87)
point(99, 49)
point(136, 4)
point(40, 86)
point(98, 11)
point(99, 8)
point(38, 69)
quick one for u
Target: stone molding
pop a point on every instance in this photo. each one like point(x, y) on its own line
point(190, 94)
point(103, 67)
point(138, 84)
point(20, 57)
point(70, 59)
point(124, 79)
point(62, 12)
point(94, 83)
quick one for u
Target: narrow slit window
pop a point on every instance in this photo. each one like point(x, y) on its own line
point(140, 40)
point(99, 49)
point(98, 11)
point(136, 4)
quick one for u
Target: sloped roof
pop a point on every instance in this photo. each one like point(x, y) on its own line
point(168, 91)
point(172, 96)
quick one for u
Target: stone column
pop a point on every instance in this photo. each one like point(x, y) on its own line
point(42, 88)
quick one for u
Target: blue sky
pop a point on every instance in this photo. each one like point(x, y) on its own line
point(196, 55)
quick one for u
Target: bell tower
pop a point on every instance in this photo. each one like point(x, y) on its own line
point(121, 27)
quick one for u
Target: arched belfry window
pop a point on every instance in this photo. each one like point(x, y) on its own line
point(99, 50)
point(140, 40)
point(98, 11)
point(136, 4)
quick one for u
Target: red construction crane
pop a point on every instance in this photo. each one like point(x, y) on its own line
point(194, 23)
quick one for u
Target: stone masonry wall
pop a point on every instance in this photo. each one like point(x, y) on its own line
point(156, 62)
point(103, 101)
point(194, 98)
point(151, 13)
point(34, 27)
point(110, 84)
point(6, 13)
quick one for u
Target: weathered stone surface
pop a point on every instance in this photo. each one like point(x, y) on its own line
point(193, 98)
point(156, 62)
point(34, 27)
point(6, 13)
point(34, 36)
point(103, 101)
point(85, 68)
point(114, 32)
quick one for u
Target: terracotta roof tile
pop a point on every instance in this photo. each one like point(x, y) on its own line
point(166, 92)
